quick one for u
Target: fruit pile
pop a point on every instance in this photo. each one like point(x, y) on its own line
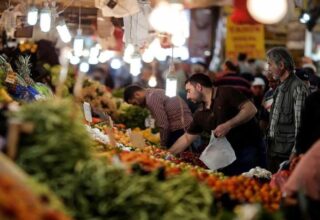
point(241, 189)
point(99, 98)
point(28, 46)
point(238, 189)
point(191, 158)
point(148, 135)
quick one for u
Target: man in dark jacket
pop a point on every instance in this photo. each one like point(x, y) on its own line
point(285, 112)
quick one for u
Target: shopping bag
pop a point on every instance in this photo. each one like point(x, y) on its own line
point(218, 154)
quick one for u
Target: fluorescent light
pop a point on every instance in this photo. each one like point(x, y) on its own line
point(152, 81)
point(94, 51)
point(63, 31)
point(93, 60)
point(147, 56)
point(45, 19)
point(171, 86)
point(74, 60)
point(105, 56)
point(135, 66)
point(84, 67)
point(78, 44)
point(32, 16)
point(115, 64)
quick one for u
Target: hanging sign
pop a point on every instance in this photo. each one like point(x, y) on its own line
point(245, 38)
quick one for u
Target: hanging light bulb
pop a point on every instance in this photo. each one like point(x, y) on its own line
point(45, 18)
point(152, 81)
point(94, 51)
point(78, 43)
point(147, 56)
point(63, 31)
point(84, 67)
point(267, 11)
point(174, 17)
point(135, 66)
point(32, 16)
point(93, 60)
point(85, 53)
point(171, 85)
point(128, 52)
point(115, 63)
point(178, 40)
point(105, 56)
point(74, 60)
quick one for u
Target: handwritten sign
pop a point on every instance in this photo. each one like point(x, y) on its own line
point(245, 38)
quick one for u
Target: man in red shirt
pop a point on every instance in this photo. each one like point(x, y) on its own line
point(172, 115)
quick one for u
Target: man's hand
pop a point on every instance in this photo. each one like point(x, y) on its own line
point(222, 130)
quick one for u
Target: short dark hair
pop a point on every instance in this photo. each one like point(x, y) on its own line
point(130, 91)
point(200, 78)
point(242, 56)
point(231, 66)
point(278, 54)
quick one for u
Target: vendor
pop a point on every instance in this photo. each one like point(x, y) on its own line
point(172, 115)
point(225, 112)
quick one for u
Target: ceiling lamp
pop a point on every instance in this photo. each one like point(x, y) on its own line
point(45, 18)
point(267, 11)
point(152, 81)
point(84, 67)
point(32, 16)
point(63, 31)
point(135, 65)
point(78, 43)
point(166, 16)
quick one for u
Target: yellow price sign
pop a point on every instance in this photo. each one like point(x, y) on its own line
point(245, 38)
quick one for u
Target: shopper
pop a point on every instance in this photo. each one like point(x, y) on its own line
point(225, 112)
point(172, 115)
point(309, 131)
point(231, 78)
point(285, 112)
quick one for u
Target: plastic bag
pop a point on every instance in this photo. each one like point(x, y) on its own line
point(218, 154)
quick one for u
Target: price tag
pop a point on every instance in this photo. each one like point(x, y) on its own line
point(128, 132)
point(111, 122)
point(137, 140)
point(87, 112)
point(112, 139)
point(11, 78)
point(149, 122)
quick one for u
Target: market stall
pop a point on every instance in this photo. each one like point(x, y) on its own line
point(72, 147)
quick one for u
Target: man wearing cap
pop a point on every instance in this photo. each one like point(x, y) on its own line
point(257, 89)
point(302, 74)
point(313, 78)
point(289, 98)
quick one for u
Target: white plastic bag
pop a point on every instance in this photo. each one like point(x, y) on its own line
point(218, 154)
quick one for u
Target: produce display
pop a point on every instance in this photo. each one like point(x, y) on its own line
point(54, 149)
point(23, 198)
point(97, 180)
point(237, 189)
point(132, 116)
point(118, 195)
point(88, 187)
point(28, 46)
point(19, 84)
point(99, 98)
